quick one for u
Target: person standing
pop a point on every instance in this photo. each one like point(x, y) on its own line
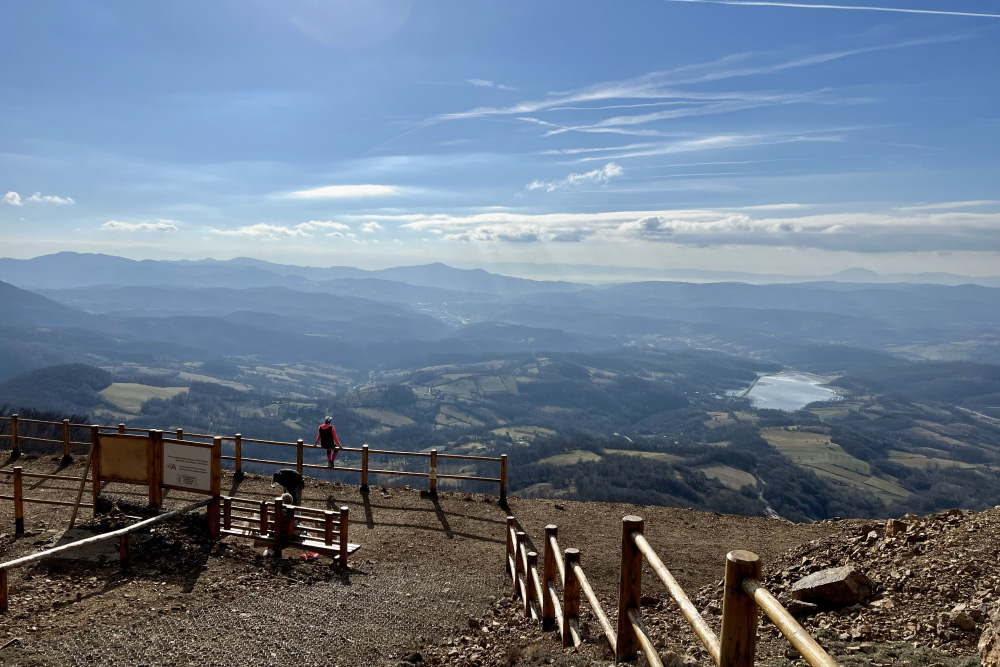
point(327, 438)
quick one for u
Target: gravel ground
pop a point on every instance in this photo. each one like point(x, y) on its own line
point(427, 580)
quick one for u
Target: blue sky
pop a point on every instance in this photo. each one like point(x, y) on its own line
point(769, 136)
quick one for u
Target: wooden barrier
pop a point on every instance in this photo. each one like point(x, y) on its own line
point(17, 437)
point(743, 596)
point(279, 526)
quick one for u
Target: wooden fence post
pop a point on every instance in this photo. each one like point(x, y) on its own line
point(520, 549)
point(433, 473)
point(548, 575)
point(739, 611)
point(571, 596)
point(14, 447)
point(263, 518)
point(227, 513)
point(364, 467)
point(95, 462)
point(18, 502)
point(124, 550)
point(3, 590)
point(121, 429)
point(503, 478)
point(298, 456)
point(154, 468)
point(180, 434)
point(66, 455)
point(238, 454)
point(328, 528)
point(343, 536)
point(510, 561)
point(629, 589)
point(529, 586)
point(279, 525)
point(216, 490)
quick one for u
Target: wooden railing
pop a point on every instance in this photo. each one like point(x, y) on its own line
point(743, 595)
point(16, 437)
point(283, 525)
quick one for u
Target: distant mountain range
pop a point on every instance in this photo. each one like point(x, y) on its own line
point(104, 310)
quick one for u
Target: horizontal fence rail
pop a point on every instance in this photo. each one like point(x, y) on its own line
point(19, 435)
point(743, 597)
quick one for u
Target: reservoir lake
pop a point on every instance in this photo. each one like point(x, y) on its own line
point(789, 391)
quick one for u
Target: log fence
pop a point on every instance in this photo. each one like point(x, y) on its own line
point(17, 436)
point(743, 597)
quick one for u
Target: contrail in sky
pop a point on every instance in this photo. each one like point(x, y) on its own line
point(766, 3)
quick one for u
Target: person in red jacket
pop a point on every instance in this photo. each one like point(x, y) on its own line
point(327, 437)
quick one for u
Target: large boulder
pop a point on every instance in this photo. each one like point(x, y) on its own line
point(834, 587)
point(989, 642)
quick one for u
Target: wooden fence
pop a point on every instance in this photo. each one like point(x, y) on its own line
point(743, 596)
point(279, 525)
point(17, 436)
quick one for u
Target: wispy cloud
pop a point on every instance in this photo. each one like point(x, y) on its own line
point(345, 192)
point(799, 5)
point(158, 225)
point(486, 83)
point(949, 204)
point(14, 199)
point(265, 231)
point(371, 227)
point(766, 225)
point(603, 175)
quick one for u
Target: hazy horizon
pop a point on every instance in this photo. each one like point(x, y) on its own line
point(768, 138)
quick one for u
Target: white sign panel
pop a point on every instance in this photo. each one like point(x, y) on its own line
point(187, 466)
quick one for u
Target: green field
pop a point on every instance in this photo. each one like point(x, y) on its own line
point(385, 417)
point(825, 458)
point(571, 457)
point(129, 397)
point(658, 456)
point(734, 478)
point(914, 460)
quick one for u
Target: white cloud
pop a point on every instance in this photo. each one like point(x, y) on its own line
point(948, 204)
point(371, 227)
point(345, 192)
point(15, 199)
point(159, 225)
point(263, 230)
point(39, 198)
point(603, 175)
point(798, 5)
point(330, 227)
point(856, 231)
point(485, 83)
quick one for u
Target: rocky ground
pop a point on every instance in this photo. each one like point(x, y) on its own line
point(427, 586)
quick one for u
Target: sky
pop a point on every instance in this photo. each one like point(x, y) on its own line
point(772, 137)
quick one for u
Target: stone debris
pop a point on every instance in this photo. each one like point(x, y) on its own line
point(834, 587)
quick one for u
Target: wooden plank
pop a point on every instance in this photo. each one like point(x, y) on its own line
point(689, 611)
point(803, 642)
